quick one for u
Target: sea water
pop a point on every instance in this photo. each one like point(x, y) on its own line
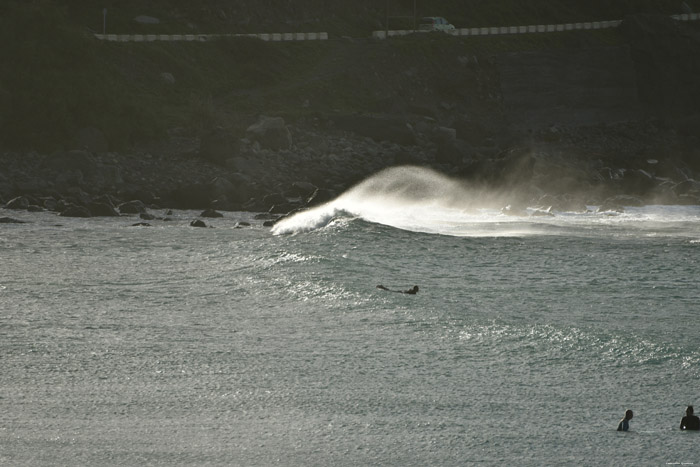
point(242, 345)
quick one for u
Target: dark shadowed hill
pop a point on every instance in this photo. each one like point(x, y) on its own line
point(595, 112)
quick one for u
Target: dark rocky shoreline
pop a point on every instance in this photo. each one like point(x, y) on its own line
point(558, 168)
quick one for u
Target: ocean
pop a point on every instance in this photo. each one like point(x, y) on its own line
point(249, 346)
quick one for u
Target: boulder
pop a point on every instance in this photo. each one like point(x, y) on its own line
point(102, 209)
point(10, 220)
point(301, 190)
point(320, 196)
point(687, 187)
point(283, 208)
point(197, 223)
point(271, 133)
point(49, 203)
point(618, 203)
point(132, 207)
point(20, 202)
point(211, 213)
point(76, 211)
point(274, 199)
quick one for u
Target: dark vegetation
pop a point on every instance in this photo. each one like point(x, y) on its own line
point(55, 78)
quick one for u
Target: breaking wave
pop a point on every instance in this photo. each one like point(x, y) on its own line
point(423, 200)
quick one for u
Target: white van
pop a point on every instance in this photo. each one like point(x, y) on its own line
point(434, 23)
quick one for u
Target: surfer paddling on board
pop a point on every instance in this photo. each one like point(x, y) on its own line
point(411, 291)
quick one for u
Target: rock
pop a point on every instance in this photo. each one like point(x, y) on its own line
point(34, 208)
point(514, 211)
point(141, 224)
point(102, 209)
point(197, 223)
point(143, 195)
point(271, 133)
point(283, 208)
point(319, 197)
point(20, 202)
point(562, 203)
point(541, 213)
point(147, 216)
point(132, 207)
point(273, 199)
point(687, 187)
point(618, 203)
point(49, 203)
point(220, 187)
point(302, 190)
point(211, 213)
point(75, 211)
point(9, 220)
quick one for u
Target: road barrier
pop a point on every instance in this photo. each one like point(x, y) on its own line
point(531, 29)
point(274, 37)
point(322, 36)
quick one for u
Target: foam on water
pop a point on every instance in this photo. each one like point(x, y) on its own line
point(422, 200)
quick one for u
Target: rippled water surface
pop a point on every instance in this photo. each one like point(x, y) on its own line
point(173, 345)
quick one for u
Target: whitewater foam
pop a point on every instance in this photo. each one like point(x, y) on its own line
point(422, 200)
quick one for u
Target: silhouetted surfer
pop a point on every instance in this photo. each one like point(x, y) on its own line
point(411, 291)
point(625, 422)
point(690, 421)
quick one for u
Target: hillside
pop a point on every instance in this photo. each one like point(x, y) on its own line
point(469, 103)
point(58, 79)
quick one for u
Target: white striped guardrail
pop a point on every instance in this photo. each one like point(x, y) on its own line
point(275, 37)
point(539, 28)
point(322, 36)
